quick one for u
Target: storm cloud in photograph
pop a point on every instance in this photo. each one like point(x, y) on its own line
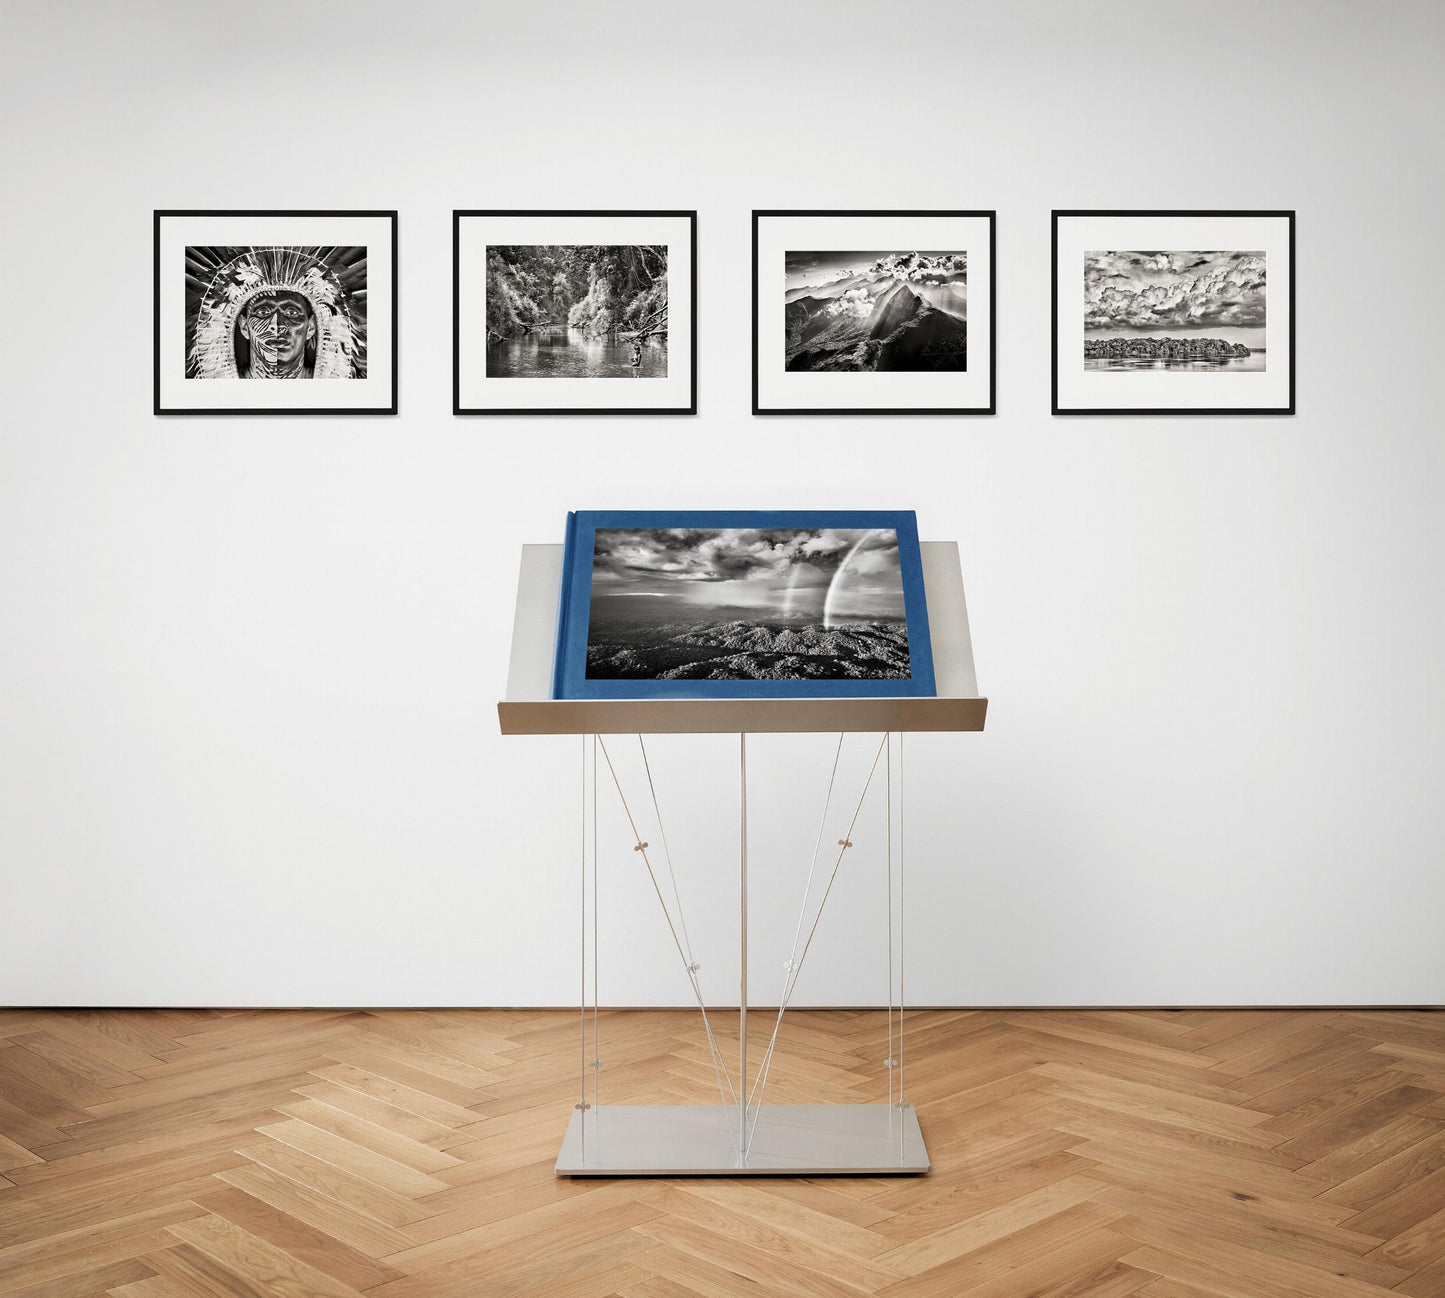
point(858, 312)
point(747, 604)
point(1174, 310)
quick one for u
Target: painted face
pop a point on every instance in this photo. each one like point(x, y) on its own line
point(278, 326)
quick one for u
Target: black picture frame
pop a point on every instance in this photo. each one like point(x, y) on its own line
point(987, 407)
point(390, 348)
point(462, 214)
point(1286, 215)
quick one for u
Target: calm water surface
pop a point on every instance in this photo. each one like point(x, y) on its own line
point(1234, 364)
point(569, 353)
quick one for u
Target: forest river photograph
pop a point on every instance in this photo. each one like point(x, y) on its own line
point(577, 311)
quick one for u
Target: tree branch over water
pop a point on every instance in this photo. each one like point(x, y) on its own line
point(597, 289)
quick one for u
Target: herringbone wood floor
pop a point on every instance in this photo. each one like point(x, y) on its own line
point(408, 1154)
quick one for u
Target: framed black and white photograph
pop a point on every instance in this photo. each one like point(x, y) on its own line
point(881, 313)
point(275, 313)
point(1172, 312)
point(742, 604)
point(574, 313)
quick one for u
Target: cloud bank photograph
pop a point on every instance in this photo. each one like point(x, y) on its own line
point(857, 312)
point(747, 604)
point(1174, 311)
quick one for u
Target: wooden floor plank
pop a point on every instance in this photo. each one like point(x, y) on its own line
point(743, 1216)
point(607, 1233)
point(1419, 1245)
point(1267, 1233)
point(69, 1039)
point(334, 1183)
point(1052, 1251)
point(201, 1275)
point(380, 1087)
point(411, 1125)
point(1348, 1122)
point(406, 1154)
point(1414, 1173)
point(13, 1155)
point(272, 1269)
point(1112, 1280)
point(752, 1263)
point(84, 1284)
point(356, 1229)
point(28, 1223)
point(1270, 1273)
point(1002, 1222)
point(1358, 1157)
point(66, 1084)
point(359, 1160)
point(369, 1135)
point(1164, 1288)
point(305, 1243)
point(687, 1275)
point(1428, 1282)
point(125, 1236)
point(810, 1225)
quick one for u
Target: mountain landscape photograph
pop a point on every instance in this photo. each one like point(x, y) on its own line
point(876, 311)
point(747, 604)
point(1174, 311)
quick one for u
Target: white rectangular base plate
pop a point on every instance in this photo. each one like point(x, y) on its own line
point(701, 1140)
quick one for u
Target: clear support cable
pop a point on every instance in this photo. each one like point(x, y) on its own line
point(693, 966)
point(640, 846)
point(796, 965)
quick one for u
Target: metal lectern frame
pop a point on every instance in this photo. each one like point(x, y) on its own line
point(739, 1138)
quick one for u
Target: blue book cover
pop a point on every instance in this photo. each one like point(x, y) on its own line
point(563, 602)
point(742, 604)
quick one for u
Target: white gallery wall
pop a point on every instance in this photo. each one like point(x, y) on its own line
point(248, 666)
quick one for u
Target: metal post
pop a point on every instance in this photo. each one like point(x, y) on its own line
point(582, 988)
point(743, 947)
point(890, 1063)
point(902, 918)
point(582, 918)
point(596, 982)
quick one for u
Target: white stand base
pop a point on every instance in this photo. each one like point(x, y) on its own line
point(701, 1140)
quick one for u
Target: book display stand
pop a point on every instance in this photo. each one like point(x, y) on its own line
point(742, 1135)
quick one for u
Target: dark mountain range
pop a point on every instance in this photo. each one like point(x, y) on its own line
point(894, 309)
point(900, 313)
point(930, 340)
point(629, 644)
point(806, 319)
point(902, 332)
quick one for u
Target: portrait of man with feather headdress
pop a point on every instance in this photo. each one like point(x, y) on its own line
point(275, 313)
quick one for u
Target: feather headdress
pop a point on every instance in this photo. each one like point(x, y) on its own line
point(220, 281)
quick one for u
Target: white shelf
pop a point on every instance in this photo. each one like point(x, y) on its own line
point(528, 708)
